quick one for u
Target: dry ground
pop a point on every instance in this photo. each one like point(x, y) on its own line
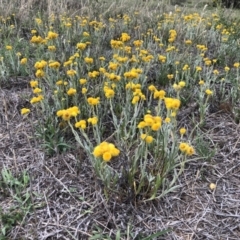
point(69, 203)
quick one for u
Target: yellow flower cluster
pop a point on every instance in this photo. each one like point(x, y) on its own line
point(66, 114)
point(109, 92)
point(106, 151)
point(153, 122)
point(54, 64)
point(187, 149)
point(125, 37)
point(116, 44)
point(93, 74)
point(172, 103)
point(52, 35)
point(37, 39)
point(25, 111)
point(133, 73)
point(40, 64)
point(81, 46)
point(93, 101)
point(37, 99)
point(172, 35)
point(147, 138)
point(81, 124)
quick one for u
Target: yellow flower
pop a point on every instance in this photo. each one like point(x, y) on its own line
point(81, 46)
point(107, 156)
point(81, 124)
point(71, 72)
point(182, 84)
point(182, 131)
point(102, 58)
point(37, 99)
point(125, 37)
point(52, 48)
point(109, 93)
point(82, 81)
point(71, 91)
point(152, 88)
point(25, 111)
point(113, 66)
point(183, 147)
point(37, 90)
point(201, 82)
point(227, 69)
point(66, 114)
point(185, 67)
point(198, 69)
point(142, 124)
point(93, 120)
point(159, 94)
point(86, 34)
point(138, 43)
point(93, 101)
point(172, 103)
point(84, 90)
point(33, 83)
point(36, 39)
point(116, 44)
point(106, 151)
point(170, 76)
point(188, 42)
point(88, 60)
point(236, 65)
point(190, 151)
point(135, 100)
point(147, 138)
point(54, 64)
point(52, 35)
point(39, 73)
point(23, 61)
point(8, 47)
point(209, 92)
point(167, 120)
point(40, 64)
point(162, 58)
point(212, 186)
point(93, 74)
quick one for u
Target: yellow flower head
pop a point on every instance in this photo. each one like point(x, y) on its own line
point(106, 151)
point(82, 81)
point(182, 131)
point(93, 101)
point(209, 92)
point(37, 99)
point(93, 120)
point(71, 72)
point(71, 91)
point(147, 138)
point(81, 124)
point(25, 111)
point(172, 103)
point(88, 60)
point(33, 83)
point(125, 37)
point(8, 47)
point(159, 94)
point(52, 35)
point(23, 61)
